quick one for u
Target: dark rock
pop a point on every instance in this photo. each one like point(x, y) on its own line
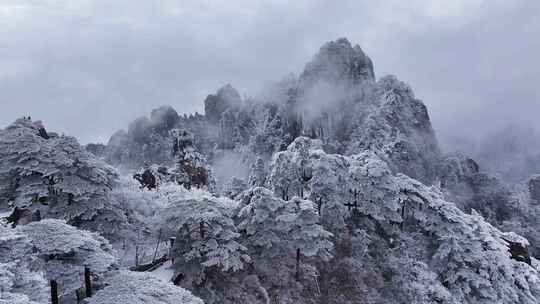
point(517, 248)
point(146, 179)
point(164, 119)
point(339, 62)
point(43, 133)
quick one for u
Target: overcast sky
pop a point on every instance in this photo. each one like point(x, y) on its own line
point(87, 68)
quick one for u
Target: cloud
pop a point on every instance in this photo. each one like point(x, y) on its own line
point(87, 68)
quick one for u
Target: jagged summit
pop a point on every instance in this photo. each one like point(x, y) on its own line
point(164, 119)
point(335, 99)
point(339, 61)
point(215, 105)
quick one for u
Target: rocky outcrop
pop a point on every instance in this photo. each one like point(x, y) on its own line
point(457, 170)
point(146, 140)
point(225, 98)
point(518, 247)
point(164, 119)
point(470, 188)
point(336, 100)
point(397, 126)
point(337, 62)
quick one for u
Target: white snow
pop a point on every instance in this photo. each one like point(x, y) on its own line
point(164, 273)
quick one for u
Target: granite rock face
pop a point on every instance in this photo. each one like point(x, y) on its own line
point(339, 61)
point(215, 104)
point(146, 141)
point(397, 126)
point(335, 99)
point(164, 119)
point(470, 188)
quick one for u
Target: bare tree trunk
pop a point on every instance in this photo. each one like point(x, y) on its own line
point(136, 255)
point(201, 229)
point(402, 215)
point(54, 292)
point(298, 264)
point(87, 282)
point(171, 244)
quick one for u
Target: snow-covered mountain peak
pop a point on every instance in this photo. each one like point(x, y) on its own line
point(339, 62)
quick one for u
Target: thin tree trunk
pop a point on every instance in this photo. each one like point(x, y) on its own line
point(298, 264)
point(137, 255)
point(87, 282)
point(171, 246)
point(201, 229)
point(54, 292)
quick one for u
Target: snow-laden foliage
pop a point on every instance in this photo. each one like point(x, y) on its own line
point(66, 251)
point(34, 254)
point(398, 129)
point(206, 236)
point(257, 174)
point(192, 169)
point(461, 257)
point(338, 184)
point(13, 298)
point(21, 276)
point(143, 209)
point(53, 176)
point(509, 208)
point(282, 234)
point(128, 287)
point(471, 257)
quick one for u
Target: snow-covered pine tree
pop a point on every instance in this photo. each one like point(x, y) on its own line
point(192, 169)
point(21, 277)
point(127, 287)
point(207, 240)
point(43, 175)
point(257, 175)
point(66, 251)
point(283, 237)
